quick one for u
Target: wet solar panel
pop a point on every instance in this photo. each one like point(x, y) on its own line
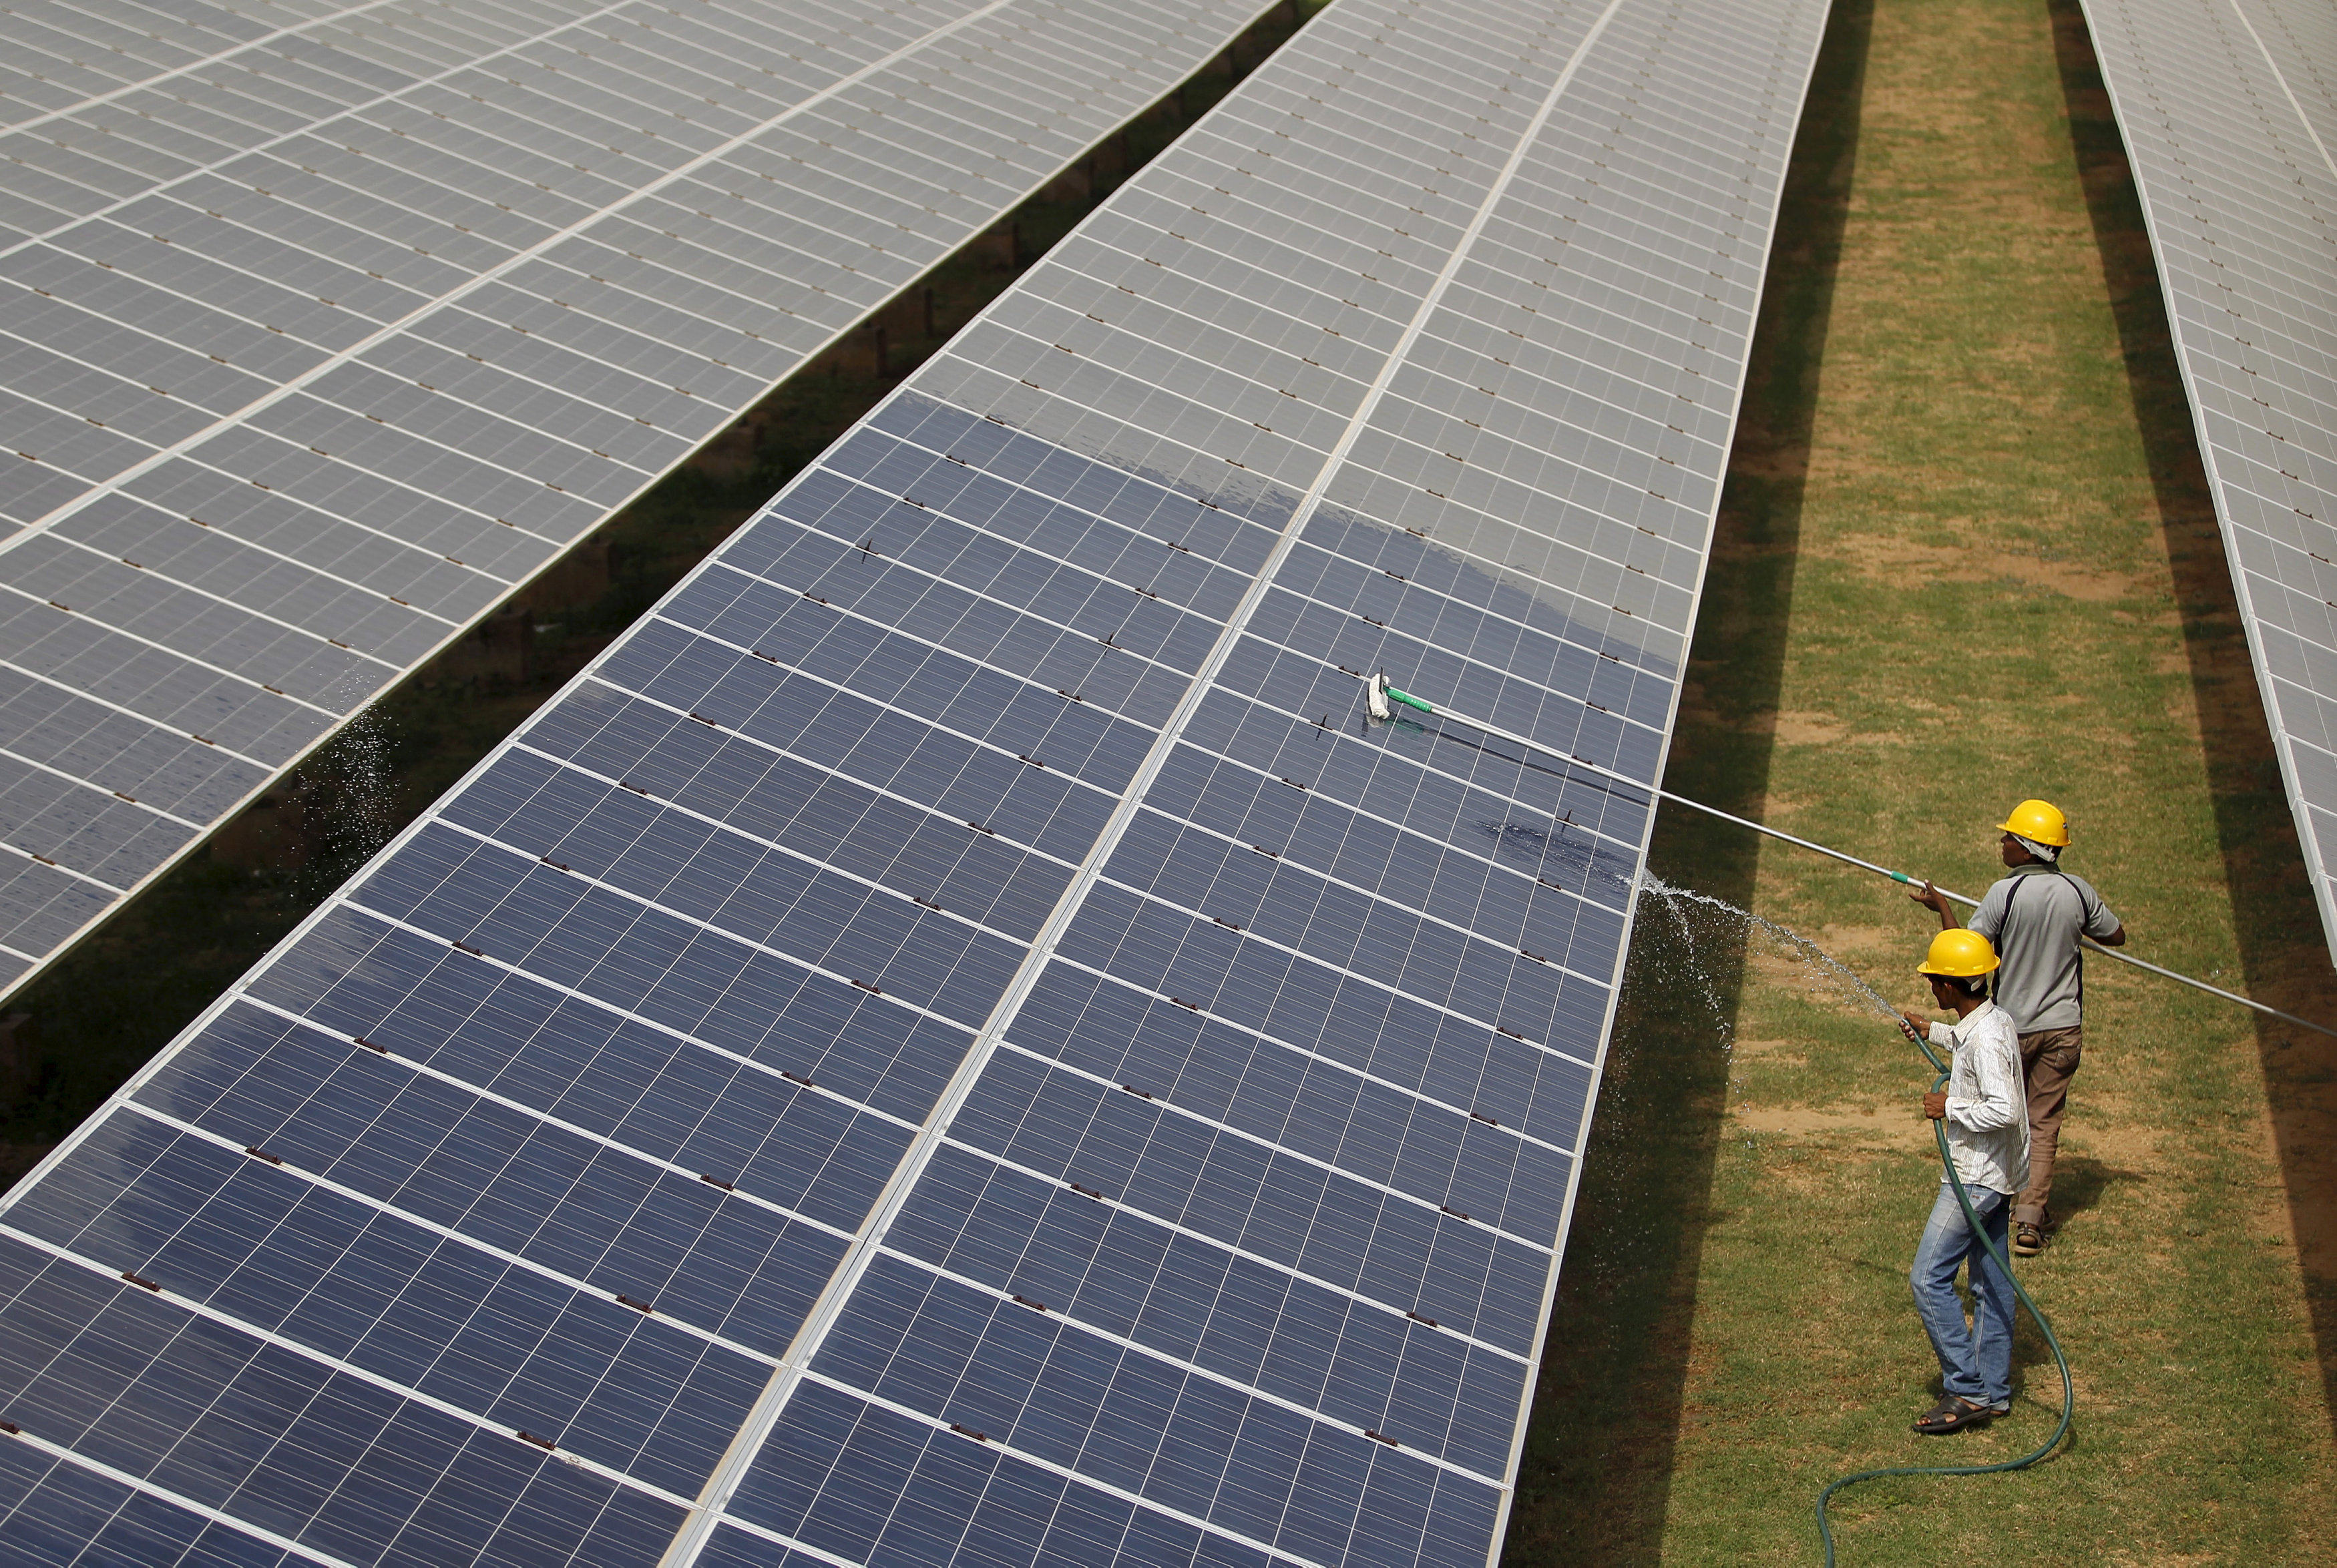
point(2229, 111)
point(327, 328)
point(955, 1041)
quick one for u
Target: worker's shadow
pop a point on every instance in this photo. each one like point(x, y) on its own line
point(2079, 1183)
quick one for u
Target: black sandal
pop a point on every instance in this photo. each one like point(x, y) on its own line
point(1953, 1413)
point(2027, 1241)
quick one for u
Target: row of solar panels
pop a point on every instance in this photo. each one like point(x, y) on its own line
point(2229, 110)
point(326, 329)
point(952, 1042)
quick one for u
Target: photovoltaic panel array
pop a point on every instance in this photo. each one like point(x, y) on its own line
point(953, 1042)
point(2229, 110)
point(327, 327)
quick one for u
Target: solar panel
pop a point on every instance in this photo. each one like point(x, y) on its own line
point(2229, 111)
point(329, 326)
point(952, 1042)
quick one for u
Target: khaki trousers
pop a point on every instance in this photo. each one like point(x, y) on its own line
point(2049, 1058)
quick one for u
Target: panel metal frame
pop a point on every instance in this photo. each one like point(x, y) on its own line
point(2220, 185)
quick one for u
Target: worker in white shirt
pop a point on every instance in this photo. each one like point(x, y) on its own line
point(2035, 917)
point(1985, 1110)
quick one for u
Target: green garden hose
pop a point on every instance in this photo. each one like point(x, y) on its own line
point(2068, 1393)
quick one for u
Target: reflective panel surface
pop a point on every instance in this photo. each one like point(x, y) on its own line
point(955, 1041)
point(2229, 110)
point(323, 329)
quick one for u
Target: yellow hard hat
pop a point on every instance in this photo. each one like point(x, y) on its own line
point(1958, 955)
point(2039, 820)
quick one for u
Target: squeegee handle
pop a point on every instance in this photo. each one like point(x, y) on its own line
point(1900, 876)
point(1807, 844)
point(1408, 700)
point(2090, 945)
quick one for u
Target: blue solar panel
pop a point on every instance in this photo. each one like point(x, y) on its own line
point(952, 1041)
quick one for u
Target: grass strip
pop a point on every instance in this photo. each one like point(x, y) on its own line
point(1965, 556)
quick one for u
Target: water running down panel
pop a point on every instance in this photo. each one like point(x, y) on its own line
point(327, 328)
point(950, 1043)
point(2229, 111)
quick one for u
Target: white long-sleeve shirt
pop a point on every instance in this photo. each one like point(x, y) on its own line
point(1988, 1100)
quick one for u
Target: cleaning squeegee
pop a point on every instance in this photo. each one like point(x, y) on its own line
point(1382, 700)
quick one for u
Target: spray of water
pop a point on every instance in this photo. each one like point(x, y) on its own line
point(1689, 908)
point(354, 782)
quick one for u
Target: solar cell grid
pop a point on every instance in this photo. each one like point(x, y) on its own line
point(507, 1069)
point(60, 1515)
point(333, 329)
point(1259, 1205)
point(2228, 114)
point(957, 965)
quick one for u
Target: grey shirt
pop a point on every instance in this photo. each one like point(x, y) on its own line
point(2034, 918)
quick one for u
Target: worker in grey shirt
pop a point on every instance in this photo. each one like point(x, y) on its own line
point(2035, 917)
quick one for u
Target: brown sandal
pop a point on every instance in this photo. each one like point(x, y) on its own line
point(1953, 1413)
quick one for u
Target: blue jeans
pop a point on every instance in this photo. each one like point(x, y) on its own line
point(1975, 1362)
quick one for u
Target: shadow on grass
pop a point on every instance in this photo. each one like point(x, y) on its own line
point(2282, 953)
point(2080, 1183)
point(1594, 1477)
